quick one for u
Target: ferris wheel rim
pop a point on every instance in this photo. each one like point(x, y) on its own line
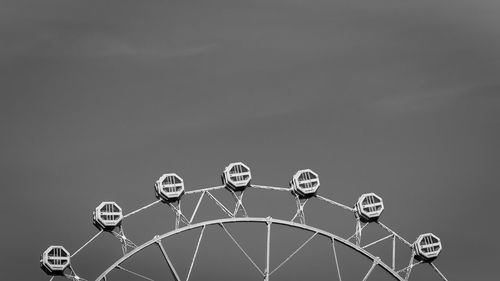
point(266, 220)
point(415, 258)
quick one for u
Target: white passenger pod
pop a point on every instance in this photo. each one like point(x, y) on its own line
point(369, 207)
point(107, 216)
point(236, 176)
point(169, 187)
point(304, 183)
point(55, 260)
point(427, 247)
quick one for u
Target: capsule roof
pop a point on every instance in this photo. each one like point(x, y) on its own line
point(107, 215)
point(369, 207)
point(55, 260)
point(169, 187)
point(304, 183)
point(236, 176)
point(427, 247)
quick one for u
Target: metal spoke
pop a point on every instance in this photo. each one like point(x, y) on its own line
point(169, 262)
point(196, 208)
point(205, 189)
point(241, 248)
point(378, 241)
point(134, 273)
point(88, 242)
point(375, 262)
point(293, 253)
point(195, 253)
point(336, 259)
point(334, 203)
point(438, 271)
point(268, 248)
point(393, 252)
point(220, 205)
point(141, 209)
point(270, 187)
point(393, 232)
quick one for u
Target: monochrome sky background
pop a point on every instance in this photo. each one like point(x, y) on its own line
point(401, 98)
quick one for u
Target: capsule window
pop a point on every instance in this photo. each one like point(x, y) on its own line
point(110, 212)
point(172, 184)
point(57, 257)
point(372, 204)
point(239, 173)
point(429, 244)
point(307, 180)
point(170, 189)
point(171, 180)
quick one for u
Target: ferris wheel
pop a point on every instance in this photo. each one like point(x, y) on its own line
point(169, 189)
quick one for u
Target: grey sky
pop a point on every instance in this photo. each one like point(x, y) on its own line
point(397, 97)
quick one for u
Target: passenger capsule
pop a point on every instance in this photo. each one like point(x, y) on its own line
point(55, 260)
point(236, 176)
point(169, 187)
point(304, 183)
point(107, 216)
point(427, 247)
point(369, 207)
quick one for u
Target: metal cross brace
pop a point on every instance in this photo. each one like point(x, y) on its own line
point(300, 210)
point(357, 234)
point(72, 275)
point(126, 243)
point(179, 216)
point(238, 197)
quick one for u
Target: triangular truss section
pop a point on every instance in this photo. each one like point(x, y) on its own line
point(126, 243)
point(299, 214)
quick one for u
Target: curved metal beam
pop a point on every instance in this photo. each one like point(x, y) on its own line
point(324, 233)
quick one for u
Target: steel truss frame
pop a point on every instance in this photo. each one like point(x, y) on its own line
point(232, 217)
point(266, 272)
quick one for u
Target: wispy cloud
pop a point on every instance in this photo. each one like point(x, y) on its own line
point(49, 43)
point(418, 101)
point(98, 48)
